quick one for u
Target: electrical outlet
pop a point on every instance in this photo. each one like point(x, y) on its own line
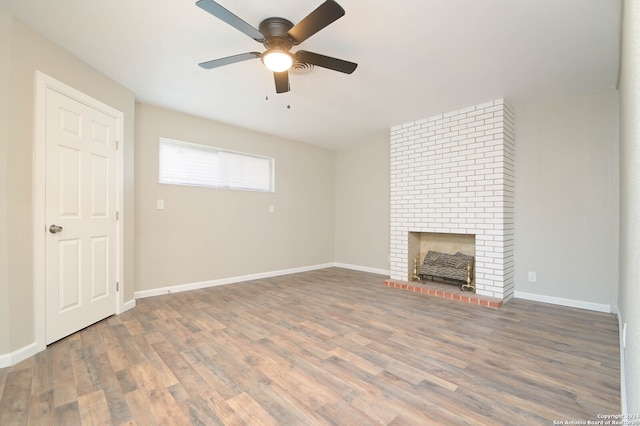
point(271, 208)
point(160, 204)
point(532, 277)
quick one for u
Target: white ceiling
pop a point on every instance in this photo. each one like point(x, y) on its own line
point(416, 58)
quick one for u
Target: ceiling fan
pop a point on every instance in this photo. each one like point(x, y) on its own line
point(279, 35)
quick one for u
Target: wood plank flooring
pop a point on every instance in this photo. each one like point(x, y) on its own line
point(331, 346)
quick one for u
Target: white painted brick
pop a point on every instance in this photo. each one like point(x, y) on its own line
point(466, 110)
point(487, 104)
point(457, 116)
point(485, 116)
point(494, 131)
point(449, 174)
point(467, 120)
point(443, 121)
point(495, 108)
point(494, 120)
point(475, 113)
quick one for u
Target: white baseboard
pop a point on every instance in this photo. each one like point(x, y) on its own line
point(7, 360)
point(128, 305)
point(580, 304)
point(385, 272)
point(231, 280)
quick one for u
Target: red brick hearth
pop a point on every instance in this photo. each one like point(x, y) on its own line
point(446, 291)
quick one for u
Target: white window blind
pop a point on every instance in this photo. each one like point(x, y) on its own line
point(183, 163)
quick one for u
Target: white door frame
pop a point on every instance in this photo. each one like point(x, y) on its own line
point(44, 82)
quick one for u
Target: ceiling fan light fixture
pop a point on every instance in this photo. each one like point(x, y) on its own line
point(277, 60)
point(278, 36)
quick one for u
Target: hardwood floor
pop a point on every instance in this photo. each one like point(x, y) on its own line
point(325, 347)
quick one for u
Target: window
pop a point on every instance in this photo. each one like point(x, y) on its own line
point(183, 163)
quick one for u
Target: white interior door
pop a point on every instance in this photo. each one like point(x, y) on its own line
point(80, 215)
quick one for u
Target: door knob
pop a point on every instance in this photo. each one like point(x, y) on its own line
point(54, 229)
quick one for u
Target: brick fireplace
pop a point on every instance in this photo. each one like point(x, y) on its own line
point(454, 174)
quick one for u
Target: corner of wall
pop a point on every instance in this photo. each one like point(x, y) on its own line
point(622, 338)
point(5, 23)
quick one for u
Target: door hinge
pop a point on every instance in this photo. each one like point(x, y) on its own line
point(117, 285)
point(117, 144)
point(117, 215)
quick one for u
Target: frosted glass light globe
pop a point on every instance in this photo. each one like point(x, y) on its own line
point(277, 60)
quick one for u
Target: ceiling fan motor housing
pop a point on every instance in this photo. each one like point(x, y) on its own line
point(275, 33)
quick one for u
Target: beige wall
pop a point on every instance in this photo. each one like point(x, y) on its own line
point(5, 32)
point(629, 299)
point(206, 234)
point(566, 219)
point(362, 205)
point(28, 52)
point(326, 204)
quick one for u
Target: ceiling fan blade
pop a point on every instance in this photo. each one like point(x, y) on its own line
point(326, 13)
point(282, 81)
point(224, 15)
point(323, 61)
point(229, 60)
